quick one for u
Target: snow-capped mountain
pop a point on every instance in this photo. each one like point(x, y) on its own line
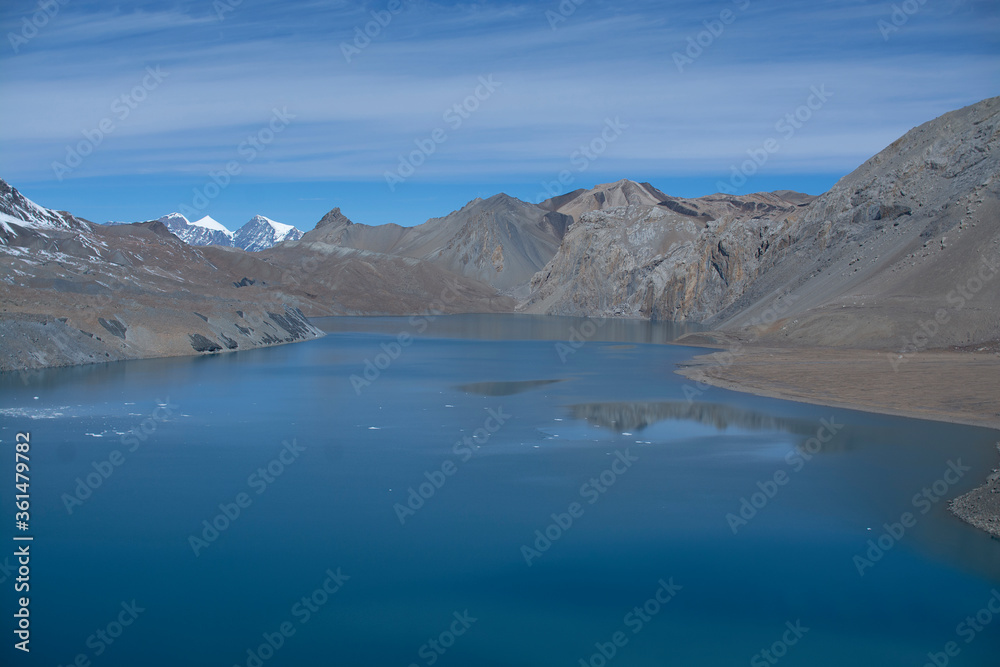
point(16, 209)
point(205, 231)
point(261, 233)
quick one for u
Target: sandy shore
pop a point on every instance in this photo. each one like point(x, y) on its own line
point(959, 387)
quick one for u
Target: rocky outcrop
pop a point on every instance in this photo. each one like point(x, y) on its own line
point(678, 260)
point(610, 195)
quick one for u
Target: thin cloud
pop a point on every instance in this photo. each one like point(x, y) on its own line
point(606, 60)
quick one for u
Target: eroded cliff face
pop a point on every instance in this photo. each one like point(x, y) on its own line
point(679, 260)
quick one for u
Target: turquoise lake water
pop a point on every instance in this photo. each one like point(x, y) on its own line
point(496, 491)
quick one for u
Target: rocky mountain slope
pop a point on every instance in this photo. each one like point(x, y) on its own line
point(903, 253)
point(75, 292)
point(601, 197)
point(18, 213)
point(500, 241)
point(678, 259)
point(910, 236)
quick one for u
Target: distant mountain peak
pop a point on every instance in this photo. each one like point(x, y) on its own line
point(505, 198)
point(208, 222)
point(174, 218)
point(623, 192)
point(334, 219)
point(262, 233)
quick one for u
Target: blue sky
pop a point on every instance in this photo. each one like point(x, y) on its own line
point(152, 98)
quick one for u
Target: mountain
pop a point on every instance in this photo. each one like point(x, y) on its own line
point(601, 197)
point(258, 234)
point(74, 292)
point(17, 212)
point(902, 253)
point(205, 231)
point(675, 260)
point(500, 241)
point(910, 236)
point(261, 233)
point(908, 241)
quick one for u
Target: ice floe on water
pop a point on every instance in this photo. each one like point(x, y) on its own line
point(37, 413)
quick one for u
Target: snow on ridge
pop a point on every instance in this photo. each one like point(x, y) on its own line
point(5, 219)
point(210, 223)
point(40, 210)
point(174, 217)
point(280, 228)
point(26, 213)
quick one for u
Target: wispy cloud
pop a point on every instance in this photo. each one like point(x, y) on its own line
point(608, 59)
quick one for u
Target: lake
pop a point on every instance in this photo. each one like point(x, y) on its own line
point(484, 490)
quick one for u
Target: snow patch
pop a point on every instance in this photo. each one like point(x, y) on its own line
point(210, 223)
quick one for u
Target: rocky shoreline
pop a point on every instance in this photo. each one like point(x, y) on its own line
point(981, 506)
